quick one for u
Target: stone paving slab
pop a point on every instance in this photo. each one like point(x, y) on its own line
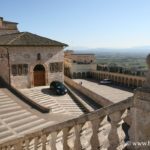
point(111, 93)
point(17, 118)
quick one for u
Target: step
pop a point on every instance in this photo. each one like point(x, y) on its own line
point(5, 110)
point(23, 121)
point(6, 102)
point(29, 125)
point(6, 115)
point(5, 139)
point(17, 117)
point(8, 105)
point(3, 128)
point(5, 134)
point(41, 126)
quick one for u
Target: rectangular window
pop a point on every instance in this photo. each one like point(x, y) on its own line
point(18, 70)
point(52, 67)
point(14, 70)
point(25, 69)
point(56, 67)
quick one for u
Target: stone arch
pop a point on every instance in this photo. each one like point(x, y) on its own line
point(31, 73)
point(115, 77)
point(140, 83)
point(126, 82)
point(88, 74)
point(135, 83)
point(122, 80)
point(74, 75)
point(79, 75)
point(130, 82)
point(83, 75)
point(119, 80)
point(39, 75)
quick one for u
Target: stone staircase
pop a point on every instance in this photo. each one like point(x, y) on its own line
point(57, 104)
point(15, 119)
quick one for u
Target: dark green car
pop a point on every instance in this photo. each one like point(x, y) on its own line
point(58, 87)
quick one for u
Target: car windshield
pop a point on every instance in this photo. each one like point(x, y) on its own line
point(59, 85)
point(106, 79)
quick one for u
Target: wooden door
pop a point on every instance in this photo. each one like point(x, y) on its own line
point(39, 78)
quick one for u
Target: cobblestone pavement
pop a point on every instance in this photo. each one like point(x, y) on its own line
point(111, 93)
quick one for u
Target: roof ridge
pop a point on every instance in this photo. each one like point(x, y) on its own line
point(16, 38)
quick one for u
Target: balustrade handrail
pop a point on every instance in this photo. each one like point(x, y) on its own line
point(76, 121)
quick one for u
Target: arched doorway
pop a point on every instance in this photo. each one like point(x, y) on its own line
point(39, 75)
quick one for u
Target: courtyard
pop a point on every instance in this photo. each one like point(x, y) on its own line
point(111, 93)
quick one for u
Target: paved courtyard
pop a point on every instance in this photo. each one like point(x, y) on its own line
point(111, 93)
point(63, 104)
point(18, 118)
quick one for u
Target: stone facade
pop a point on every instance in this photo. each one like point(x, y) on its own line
point(7, 27)
point(78, 65)
point(26, 58)
point(28, 55)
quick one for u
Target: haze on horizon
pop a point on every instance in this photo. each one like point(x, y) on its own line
point(84, 24)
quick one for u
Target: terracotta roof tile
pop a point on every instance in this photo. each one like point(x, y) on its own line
point(27, 39)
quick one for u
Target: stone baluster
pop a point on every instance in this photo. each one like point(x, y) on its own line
point(77, 144)
point(94, 139)
point(65, 139)
point(9, 147)
point(127, 124)
point(36, 143)
point(53, 140)
point(27, 142)
point(113, 135)
point(44, 140)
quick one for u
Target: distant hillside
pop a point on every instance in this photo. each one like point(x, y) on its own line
point(131, 51)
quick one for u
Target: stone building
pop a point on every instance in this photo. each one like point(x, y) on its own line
point(78, 65)
point(27, 59)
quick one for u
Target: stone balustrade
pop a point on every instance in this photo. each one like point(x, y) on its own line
point(114, 127)
point(100, 129)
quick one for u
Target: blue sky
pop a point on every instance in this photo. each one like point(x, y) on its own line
point(84, 23)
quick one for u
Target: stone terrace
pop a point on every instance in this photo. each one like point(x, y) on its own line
point(18, 118)
point(113, 94)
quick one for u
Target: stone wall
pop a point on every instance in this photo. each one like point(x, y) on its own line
point(4, 64)
point(28, 55)
point(97, 98)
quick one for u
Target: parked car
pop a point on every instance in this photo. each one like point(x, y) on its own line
point(106, 81)
point(59, 87)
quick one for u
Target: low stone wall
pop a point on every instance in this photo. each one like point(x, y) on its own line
point(27, 100)
point(97, 98)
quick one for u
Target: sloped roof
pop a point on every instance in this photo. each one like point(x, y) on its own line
point(27, 39)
